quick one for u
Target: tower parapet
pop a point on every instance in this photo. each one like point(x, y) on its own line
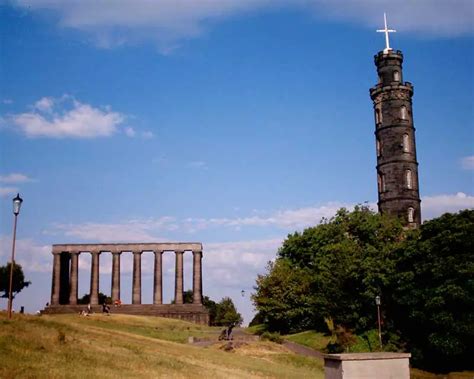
point(397, 166)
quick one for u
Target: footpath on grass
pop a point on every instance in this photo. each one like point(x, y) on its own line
point(240, 336)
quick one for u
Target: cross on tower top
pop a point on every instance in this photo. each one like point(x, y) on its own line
point(386, 31)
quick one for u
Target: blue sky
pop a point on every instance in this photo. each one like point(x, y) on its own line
point(232, 123)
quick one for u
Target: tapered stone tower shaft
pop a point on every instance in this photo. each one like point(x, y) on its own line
point(397, 166)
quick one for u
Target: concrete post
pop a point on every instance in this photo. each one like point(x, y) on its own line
point(115, 276)
point(55, 287)
point(94, 296)
point(158, 279)
point(137, 278)
point(197, 275)
point(73, 278)
point(178, 293)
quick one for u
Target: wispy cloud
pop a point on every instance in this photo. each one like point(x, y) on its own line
point(130, 132)
point(7, 101)
point(147, 134)
point(32, 256)
point(131, 231)
point(67, 118)
point(5, 191)
point(467, 163)
point(283, 220)
point(15, 178)
point(198, 165)
point(436, 205)
point(168, 22)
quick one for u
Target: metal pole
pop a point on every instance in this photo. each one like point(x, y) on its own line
point(380, 326)
point(10, 297)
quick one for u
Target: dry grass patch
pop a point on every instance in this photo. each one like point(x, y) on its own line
point(119, 346)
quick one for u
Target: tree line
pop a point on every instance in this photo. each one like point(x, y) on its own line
point(327, 277)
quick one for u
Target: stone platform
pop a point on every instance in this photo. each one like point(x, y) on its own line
point(188, 312)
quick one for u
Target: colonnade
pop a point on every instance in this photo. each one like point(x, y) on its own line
point(66, 266)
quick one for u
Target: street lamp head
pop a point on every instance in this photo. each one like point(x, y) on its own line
point(17, 204)
point(377, 300)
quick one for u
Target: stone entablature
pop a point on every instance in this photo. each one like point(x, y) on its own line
point(127, 247)
point(64, 289)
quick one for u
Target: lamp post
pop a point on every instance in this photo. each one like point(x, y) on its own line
point(16, 211)
point(378, 302)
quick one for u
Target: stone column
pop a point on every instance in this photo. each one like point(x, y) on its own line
point(158, 279)
point(73, 277)
point(197, 275)
point(178, 288)
point(137, 278)
point(94, 296)
point(115, 276)
point(56, 278)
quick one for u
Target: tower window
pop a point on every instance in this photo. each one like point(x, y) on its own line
point(409, 179)
point(403, 113)
point(411, 214)
point(396, 76)
point(379, 148)
point(406, 143)
point(381, 182)
point(378, 116)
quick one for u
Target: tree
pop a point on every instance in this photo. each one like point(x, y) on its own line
point(226, 313)
point(86, 299)
point(283, 298)
point(18, 280)
point(425, 278)
point(349, 261)
point(210, 305)
point(433, 292)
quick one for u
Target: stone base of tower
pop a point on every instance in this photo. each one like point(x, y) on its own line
point(188, 312)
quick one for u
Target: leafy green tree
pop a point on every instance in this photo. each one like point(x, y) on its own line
point(433, 292)
point(206, 301)
point(226, 313)
point(18, 282)
point(283, 298)
point(102, 298)
point(350, 261)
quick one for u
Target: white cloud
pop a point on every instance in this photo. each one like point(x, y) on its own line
point(5, 191)
point(7, 101)
point(467, 163)
point(434, 206)
point(52, 119)
point(45, 104)
point(129, 231)
point(33, 257)
point(14, 178)
point(130, 132)
point(151, 230)
point(147, 134)
point(284, 219)
point(198, 164)
point(167, 22)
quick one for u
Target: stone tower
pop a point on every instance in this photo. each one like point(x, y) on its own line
point(397, 167)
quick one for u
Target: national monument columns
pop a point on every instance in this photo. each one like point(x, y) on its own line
point(94, 299)
point(137, 278)
point(65, 278)
point(116, 276)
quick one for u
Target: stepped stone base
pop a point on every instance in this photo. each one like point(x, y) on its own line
point(188, 312)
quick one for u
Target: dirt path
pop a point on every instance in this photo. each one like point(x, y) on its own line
point(239, 335)
point(302, 350)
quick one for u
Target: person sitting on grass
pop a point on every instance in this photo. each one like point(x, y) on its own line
point(105, 309)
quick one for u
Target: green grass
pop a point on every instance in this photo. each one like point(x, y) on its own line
point(120, 346)
point(310, 338)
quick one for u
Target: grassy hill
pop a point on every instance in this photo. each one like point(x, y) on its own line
point(121, 346)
